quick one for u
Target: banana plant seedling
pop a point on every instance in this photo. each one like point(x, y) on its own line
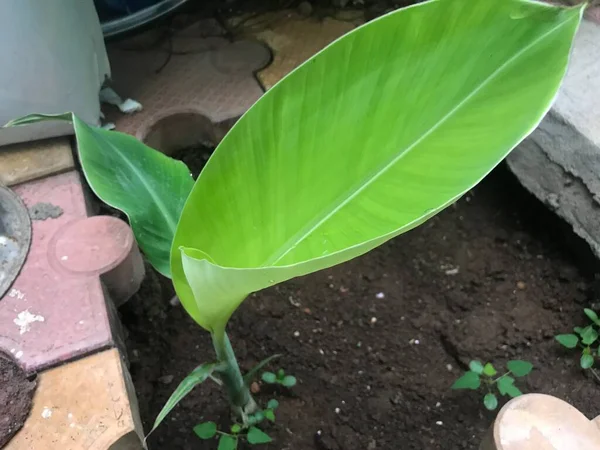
point(366, 140)
point(584, 338)
point(485, 375)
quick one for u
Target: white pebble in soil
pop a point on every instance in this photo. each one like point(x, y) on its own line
point(380, 295)
point(47, 412)
point(337, 410)
point(296, 333)
point(439, 423)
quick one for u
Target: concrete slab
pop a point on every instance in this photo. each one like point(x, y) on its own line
point(32, 160)
point(188, 74)
point(560, 161)
point(293, 38)
point(88, 404)
point(50, 316)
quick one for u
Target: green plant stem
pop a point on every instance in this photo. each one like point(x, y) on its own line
point(239, 394)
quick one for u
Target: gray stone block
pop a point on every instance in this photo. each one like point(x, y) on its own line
point(560, 162)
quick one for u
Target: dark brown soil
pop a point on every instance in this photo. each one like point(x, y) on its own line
point(491, 278)
point(16, 394)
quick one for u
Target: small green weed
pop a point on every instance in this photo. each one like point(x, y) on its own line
point(486, 375)
point(584, 338)
point(253, 435)
point(279, 378)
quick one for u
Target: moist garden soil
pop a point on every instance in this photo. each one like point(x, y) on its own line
point(376, 343)
point(16, 394)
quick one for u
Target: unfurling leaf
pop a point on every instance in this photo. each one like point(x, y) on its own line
point(519, 368)
point(489, 370)
point(470, 380)
point(490, 401)
point(567, 340)
point(206, 430)
point(257, 436)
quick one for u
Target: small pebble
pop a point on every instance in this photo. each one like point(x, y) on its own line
point(174, 301)
point(321, 351)
point(167, 379)
point(452, 271)
point(439, 423)
point(337, 410)
point(373, 320)
point(380, 295)
point(47, 412)
point(307, 310)
point(449, 367)
point(255, 388)
point(296, 333)
point(438, 404)
point(521, 285)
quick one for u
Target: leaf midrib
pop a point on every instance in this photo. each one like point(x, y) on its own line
point(327, 213)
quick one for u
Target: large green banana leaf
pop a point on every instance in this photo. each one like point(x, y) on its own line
point(366, 140)
point(148, 186)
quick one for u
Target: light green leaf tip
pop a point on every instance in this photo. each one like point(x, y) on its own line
point(476, 366)
point(368, 139)
point(489, 370)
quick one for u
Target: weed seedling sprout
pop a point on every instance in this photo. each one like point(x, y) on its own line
point(280, 377)
point(584, 339)
point(230, 440)
point(485, 375)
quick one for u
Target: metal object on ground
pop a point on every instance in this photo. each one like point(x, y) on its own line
point(15, 237)
point(139, 19)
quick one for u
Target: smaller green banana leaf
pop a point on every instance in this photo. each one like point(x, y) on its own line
point(148, 186)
